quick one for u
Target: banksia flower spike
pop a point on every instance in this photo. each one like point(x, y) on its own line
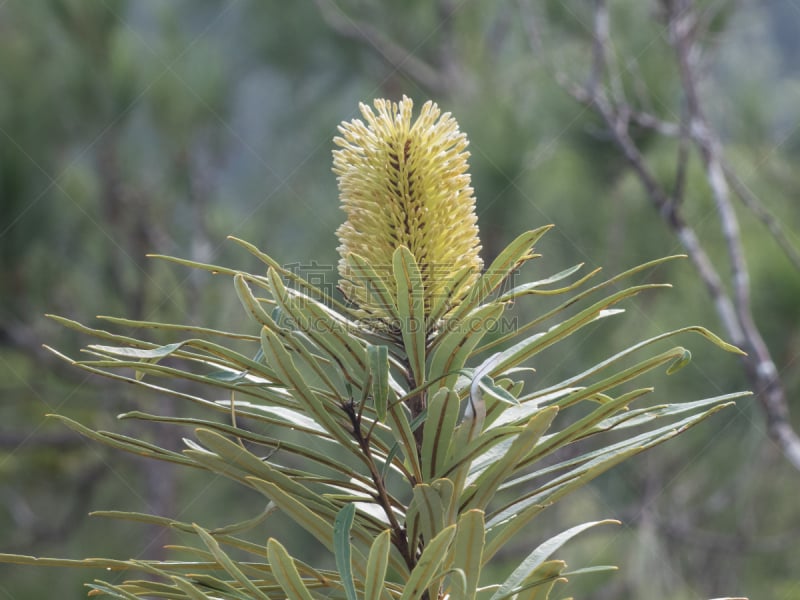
point(405, 184)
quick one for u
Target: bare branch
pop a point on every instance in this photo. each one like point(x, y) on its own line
point(759, 364)
point(681, 169)
point(734, 310)
point(762, 213)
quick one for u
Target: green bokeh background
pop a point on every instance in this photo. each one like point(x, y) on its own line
point(135, 127)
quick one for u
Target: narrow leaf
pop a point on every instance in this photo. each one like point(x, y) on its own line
point(512, 257)
point(341, 547)
point(411, 306)
point(229, 565)
point(428, 564)
point(455, 345)
point(401, 429)
point(539, 584)
point(438, 431)
point(426, 514)
point(141, 353)
point(290, 275)
point(468, 549)
point(485, 487)
point(189, 589)
point(285, 572)
point(376, 565)
point(319, 324)
point(532, 286)
point(538, 556)
point(378, 358)
point(681, 362)
point(442, 303)
point(321, 529)
point(380, 292)
point(293, 379)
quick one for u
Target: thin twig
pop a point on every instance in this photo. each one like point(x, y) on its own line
point(679, 189)
point(399, 535)
point(758, 364)
point(762, 213)
point(394, 54)
point(734, 310)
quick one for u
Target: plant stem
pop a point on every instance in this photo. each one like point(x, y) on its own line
point(399, 534)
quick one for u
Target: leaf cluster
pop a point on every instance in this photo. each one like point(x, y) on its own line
point(414, 456)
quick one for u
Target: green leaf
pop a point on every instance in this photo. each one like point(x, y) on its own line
point(318, 525)
point(446, 490)
point(280, 416)
point(539, 584)
point(215, 269)
point(114, 591)
point(294, 380)
point(532, 287)
point(301, 514)
point(251, 303)
point(443, 302)
point(497, 392)
point(454, 346)
point(642, 441)
point(234, 454)
point(547, 316)
point(192, 591)
point(219, 587)
point(591, 570)
point(484, 489)
point(140, 353)
point(512, 257)
point(627, 352)
point(538, 557)
point(427, 567)
point(682, 361)
point(411, 306)
point(88, 563)
point(376, 565)
point(195, 329)
point(401, 429)
point(582, 426)
point(378, 359)
point(290, 275)
point(229, 565)
point(329, 331)
point(525, 349)
point(290, 341)
point(638, 417)
point(267, 394)
point(382, 295)
point(438, 431)
point(316, 447)
point(122, 442)
point(99, 333)
point(341, 547)
point(221, 534)
point(285, 572)
point(503, 524)
point(425, 516)
point(468, 552)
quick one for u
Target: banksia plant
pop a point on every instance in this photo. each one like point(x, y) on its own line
point(387, 425)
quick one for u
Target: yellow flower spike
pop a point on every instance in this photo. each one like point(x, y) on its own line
point(405, 184)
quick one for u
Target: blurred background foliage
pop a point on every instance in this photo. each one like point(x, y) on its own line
point(129, 128)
